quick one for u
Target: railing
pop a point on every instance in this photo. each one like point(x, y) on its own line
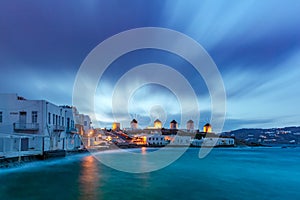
point(72, 130)
point(58, 128)
point(26, 126)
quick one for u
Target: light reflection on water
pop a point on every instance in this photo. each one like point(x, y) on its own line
point(89, 179)
point(144, 150)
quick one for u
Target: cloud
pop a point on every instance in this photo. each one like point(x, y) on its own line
point(255, 46)
point(271, 95)
point(34, 83)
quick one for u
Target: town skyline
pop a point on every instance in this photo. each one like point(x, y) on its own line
point(127, 125)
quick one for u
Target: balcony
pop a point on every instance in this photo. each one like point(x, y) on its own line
point(57, 128)
point(26, 126)
point(72, 130)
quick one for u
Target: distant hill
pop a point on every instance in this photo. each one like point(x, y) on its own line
point(286, 135)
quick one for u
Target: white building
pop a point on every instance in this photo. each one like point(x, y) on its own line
point(71, 134)
point(35, 126)
point(156, 140)
point(83, 121)
point(180, 140)
point(210, 142)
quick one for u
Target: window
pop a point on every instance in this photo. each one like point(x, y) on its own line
point(49, 118)
point(1, 117)
point(53, 118)
point(63, 121)
point(34, 116)
point(68, 122)
point(85, 123)
point(58, 120)
point(22, 118)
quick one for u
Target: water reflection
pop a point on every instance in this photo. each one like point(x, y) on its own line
point(144, 150)
point(89, 179)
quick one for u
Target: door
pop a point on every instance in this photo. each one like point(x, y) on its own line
point(24, 144)
point(22, 120)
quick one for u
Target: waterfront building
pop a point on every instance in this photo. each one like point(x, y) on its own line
point(207, 128)
point(177, 140)
point(140, 140)
point(157, 124)
point(35, 126)
point(83, 125)
point(82, 122)
point(173, 124)
point(134, 124)
point(71, 133)
point(210, 142)
point(156, 140)
point(196, 142)
point(79, 118)
point(87, 123)
point(190, 125)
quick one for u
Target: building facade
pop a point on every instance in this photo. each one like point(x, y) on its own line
point(156, 140)
point(35, 125)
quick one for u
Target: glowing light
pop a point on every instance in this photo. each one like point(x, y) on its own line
point(157, 124)
point(207, 128)
point(115, 126)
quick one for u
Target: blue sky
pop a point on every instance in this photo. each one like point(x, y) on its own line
point(255, 45)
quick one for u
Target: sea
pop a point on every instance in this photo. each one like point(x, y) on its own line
point(225, 173)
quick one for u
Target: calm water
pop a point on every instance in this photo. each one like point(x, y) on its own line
point(235, 173)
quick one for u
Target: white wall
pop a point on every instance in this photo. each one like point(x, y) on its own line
point(181, 140)
point(156, 140)
point(54, 137)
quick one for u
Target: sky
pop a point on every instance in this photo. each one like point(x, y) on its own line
point(254, 44)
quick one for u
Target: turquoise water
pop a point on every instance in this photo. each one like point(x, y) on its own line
point(226, 173)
